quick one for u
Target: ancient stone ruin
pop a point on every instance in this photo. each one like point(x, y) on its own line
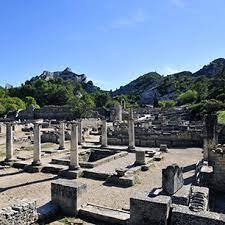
point(138, 166)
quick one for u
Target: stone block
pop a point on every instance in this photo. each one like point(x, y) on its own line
point(182, 215)
point(163, 148)
point(172, 179)
point(140, 157)
point(145, 210)
point(181, 197)
point(67, 194)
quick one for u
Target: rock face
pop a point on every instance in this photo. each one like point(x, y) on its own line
point(214, 68)
point(66, 74)
point(172, 179)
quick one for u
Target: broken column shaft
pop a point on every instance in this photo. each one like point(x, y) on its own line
point(104, 133)
point(37, 145)
point(74, 157)
point(61, 136)
point(9, 142)
point(131, 130)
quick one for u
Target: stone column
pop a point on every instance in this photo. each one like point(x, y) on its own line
point(104, 133)
point(37, 145)
point(61, 135)
point(131, 135)
point(210, 134)
point(118, 112)
point(9, 142)
point(80, 134)
point(74, 157)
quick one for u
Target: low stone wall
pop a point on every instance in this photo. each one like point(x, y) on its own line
point(218, 182)
point(53, 137)
point(158, 210)
point(157, 141)
point(23, 212)
point(183, 215)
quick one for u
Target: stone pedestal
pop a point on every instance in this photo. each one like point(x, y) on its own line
point(104, 134)
point(61, 136)
point(9, 142)
point(37, 145)
point(74, 158)
point(68, 195)
point(131, 134)
point(140, 157)
point(163, 148)
point(145, 210)
point(172, 179)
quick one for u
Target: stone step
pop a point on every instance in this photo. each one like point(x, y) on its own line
point(64, 162)
point(108, 215)
point(96, 175)
point(20, 165)
point(53, 168)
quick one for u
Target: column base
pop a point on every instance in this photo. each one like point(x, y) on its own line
point(139, 163)
point(131, 148)
point(36, 163)
point(74, 167)
point(104, 146)
point(71, 174)
point(9, 162)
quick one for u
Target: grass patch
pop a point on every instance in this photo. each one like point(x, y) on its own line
point(221, 117)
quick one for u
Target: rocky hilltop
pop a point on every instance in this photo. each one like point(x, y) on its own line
point(66, 74)
point(169, 87)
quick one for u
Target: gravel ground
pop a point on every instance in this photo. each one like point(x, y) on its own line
point(15, 184)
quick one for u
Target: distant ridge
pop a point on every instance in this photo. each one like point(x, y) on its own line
point(169, 87)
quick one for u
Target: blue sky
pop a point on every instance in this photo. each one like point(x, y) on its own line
point(111, 41)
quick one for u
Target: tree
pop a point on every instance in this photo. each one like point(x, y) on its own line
point(167, 104)
point(31, 101)
point(187, 97)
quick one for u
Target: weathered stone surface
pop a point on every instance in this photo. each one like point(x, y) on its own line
point(172, 179)
point(67, 194)
point(181, 215)
point(163, 148)
point(199, 199)
point(140, 157)
point(22, 212)
point(181, 197)
point(145, 210)
point(108, 215)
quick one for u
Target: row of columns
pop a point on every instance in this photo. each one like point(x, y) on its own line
point(74, 161)
point(76, 139)
point(131, 132)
